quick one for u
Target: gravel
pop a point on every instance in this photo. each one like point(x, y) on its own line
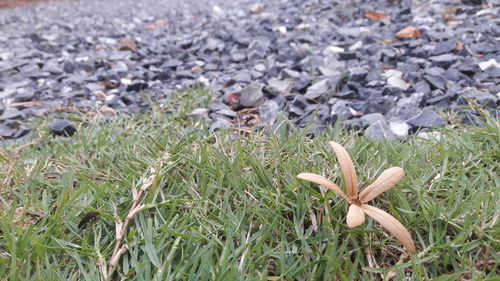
point(313, 62)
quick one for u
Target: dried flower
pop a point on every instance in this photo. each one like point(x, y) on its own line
point(358, 207)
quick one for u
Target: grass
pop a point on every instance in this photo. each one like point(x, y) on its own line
point(229, 207)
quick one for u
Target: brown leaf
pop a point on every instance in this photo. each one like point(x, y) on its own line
point(355, 216)
point(162, 22)
point(317, 179)
point(107, 111)
point(101, 94)
point(347, 169)
point(389, 41)
point(392, 225)
point(387, 180)
point(150, 27)
point(27, 216)
point(127, 44)
point(460, 46)
point(376, 15)
point(408, 32)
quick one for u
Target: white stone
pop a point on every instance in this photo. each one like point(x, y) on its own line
point(400, 129)
point(430, 135)
point(392, 73)
point(356, 46)
point(396, 82)
point(487, 64)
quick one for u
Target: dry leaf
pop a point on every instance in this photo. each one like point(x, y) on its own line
point(107, 111)
point(392, 225)
point(460, 46)
point(355, 216)
point(376, 15)
point(448, 17)
point(150, 27)
point(347, 167)
point(101, 94)
point(387, 180)
point(127, 44)
point(196, 69)
point(161, 22)
point(389, 41)
point(27, 216)
point(408, 32)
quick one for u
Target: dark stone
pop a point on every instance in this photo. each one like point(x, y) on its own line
point(417, 99)
point(62, 127)
point(403, 113)
point(347, 56)
point(357, 75)
point(68, 67)
point(137, 85)
point(445, 60)
point(346, 94)
point(437, 82)
point(447, 46)
point(371, 106)
point(427, 119)
point(483, 98)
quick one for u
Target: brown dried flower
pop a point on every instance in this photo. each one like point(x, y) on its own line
point(358, 202)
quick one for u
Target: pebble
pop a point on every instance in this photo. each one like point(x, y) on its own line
point(62, 127)
point(274, 55)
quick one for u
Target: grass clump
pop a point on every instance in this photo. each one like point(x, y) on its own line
point(227, 207)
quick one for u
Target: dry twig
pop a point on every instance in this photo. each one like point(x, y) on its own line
point(121, 227)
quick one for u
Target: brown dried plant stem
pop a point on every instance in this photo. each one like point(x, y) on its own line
point(121, 227)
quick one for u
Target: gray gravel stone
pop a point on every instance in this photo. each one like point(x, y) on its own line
point(252, 95)
point(320, 90)
point(379, 131)
point(268, 112)
point(427, 119)
point(11, 113)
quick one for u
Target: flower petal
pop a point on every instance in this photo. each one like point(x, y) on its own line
point(392, 225)
point(387, 180)
point(347, 169)
point(324, 182)
point(355, 216)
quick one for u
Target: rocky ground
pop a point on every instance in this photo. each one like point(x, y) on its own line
point(376, 65)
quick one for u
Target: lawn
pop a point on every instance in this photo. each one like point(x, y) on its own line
point(226, 206)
